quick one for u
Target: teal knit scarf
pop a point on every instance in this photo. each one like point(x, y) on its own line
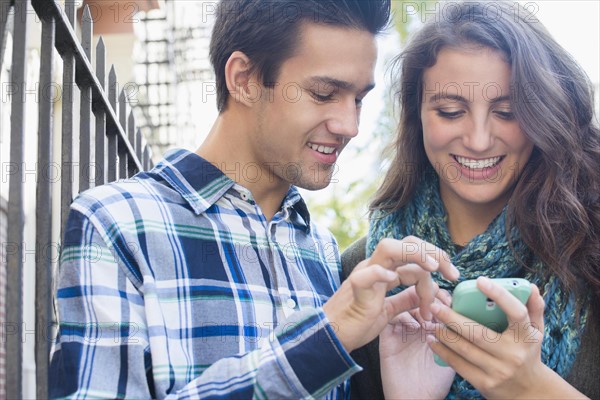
point(487, 254)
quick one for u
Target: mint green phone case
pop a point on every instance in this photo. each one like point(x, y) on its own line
point(468, 301)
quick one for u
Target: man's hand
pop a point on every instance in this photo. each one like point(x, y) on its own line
point(359, 310)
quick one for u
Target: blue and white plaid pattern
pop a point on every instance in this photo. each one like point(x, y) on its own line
point(173, 285)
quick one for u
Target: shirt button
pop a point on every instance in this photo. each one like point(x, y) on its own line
point(290, 303)
point(244, 196)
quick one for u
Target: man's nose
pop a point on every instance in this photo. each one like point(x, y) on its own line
point(345, 119)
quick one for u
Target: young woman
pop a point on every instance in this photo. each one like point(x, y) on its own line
point(497, 162)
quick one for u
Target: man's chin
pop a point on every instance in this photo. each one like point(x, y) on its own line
point(312, 186)
point(316, 177)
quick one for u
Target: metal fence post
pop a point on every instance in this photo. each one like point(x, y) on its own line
point(100, 143)
point(16, 218)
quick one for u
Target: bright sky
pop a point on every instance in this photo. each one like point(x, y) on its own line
point(574, 24)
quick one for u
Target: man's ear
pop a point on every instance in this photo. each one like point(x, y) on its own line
point(243, 89)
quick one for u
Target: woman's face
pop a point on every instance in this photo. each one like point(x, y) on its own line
point(470, 134)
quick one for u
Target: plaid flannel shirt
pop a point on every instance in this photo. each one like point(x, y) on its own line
point(173, 285)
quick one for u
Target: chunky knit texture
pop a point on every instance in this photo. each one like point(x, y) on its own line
point(488, 254)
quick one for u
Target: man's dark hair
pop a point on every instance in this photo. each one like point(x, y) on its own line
point(267, 31)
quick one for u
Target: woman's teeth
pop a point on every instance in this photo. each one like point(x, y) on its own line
point(477, 164)
point(321, 148)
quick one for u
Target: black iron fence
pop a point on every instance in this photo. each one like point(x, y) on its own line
point(99, 143)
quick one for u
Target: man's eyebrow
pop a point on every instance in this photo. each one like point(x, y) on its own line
point(344, 85)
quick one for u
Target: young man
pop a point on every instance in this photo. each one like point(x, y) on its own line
point(205, 277)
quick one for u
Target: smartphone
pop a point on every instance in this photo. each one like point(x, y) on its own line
point(468, 301)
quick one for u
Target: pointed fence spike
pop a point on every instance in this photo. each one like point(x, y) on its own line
point(87, 28)
point(101, 62)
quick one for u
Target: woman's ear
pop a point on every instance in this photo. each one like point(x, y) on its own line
point(243, 89)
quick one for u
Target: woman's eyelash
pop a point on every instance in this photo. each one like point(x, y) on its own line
point(450, 114)
point(508, 115)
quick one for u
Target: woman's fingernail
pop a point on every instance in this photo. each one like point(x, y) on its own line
point(484, 282)
point(431, 339)
point(428, 326)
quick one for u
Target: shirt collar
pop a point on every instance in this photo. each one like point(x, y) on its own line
point(294, 200)
point(201, 184)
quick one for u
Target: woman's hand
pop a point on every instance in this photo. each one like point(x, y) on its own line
point(408, 370)
point(500, 365)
